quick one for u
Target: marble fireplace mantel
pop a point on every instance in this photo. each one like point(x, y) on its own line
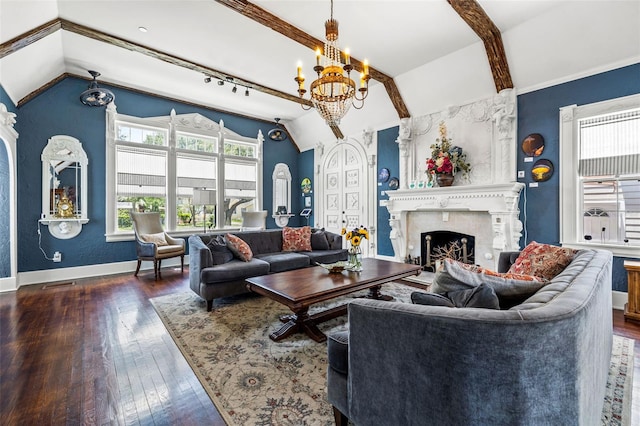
point(500, 201)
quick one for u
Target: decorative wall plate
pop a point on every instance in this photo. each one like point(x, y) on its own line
point(305, 185)
point(533, 145)
point(542, 170)
point(394, 183)
point(383, 175)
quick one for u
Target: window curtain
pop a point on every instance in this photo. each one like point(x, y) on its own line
point(610, 144)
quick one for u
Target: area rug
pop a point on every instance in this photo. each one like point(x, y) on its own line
point(253, 380)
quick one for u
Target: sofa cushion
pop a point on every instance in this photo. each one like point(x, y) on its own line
point(239, 248)
point(319, 240)
point(158, 239)
point(326, 256)
point(265, 241)
point(280, 262)
point(234, 271)
point(338, 351)
point(542, 260)
point(296, 239)
point(457, 276)
point(220, 253)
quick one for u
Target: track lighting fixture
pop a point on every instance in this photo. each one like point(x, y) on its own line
point(207, 79)
point(230, 80)
point(220, 83)
point(246, 92)
point(235, 89)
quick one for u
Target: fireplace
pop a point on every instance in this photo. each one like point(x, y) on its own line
point(435, 246)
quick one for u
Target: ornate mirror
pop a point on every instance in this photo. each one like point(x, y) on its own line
point(281, 194)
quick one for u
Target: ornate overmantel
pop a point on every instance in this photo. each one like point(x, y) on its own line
point(500, 201)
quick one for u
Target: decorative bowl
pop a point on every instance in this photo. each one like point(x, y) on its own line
point(334, 268)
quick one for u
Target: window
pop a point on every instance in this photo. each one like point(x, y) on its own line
point(600, 175)
point(156, 164)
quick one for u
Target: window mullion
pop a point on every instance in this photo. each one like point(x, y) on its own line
point(171, 212)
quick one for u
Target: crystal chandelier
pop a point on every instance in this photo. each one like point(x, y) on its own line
point(334, 92)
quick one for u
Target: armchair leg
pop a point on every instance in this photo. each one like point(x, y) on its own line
point(137, 268)
point(182, 264)
point(340, 419)
point(155, 268)
point(209, 305)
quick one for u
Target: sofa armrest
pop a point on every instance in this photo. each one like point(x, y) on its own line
point(199, 258)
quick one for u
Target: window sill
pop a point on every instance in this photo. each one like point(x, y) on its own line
point(128, 236)
point(617, 250)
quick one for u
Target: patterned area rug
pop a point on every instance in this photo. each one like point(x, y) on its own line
point(253, 380)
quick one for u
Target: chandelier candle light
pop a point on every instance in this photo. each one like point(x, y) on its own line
point(333, 92)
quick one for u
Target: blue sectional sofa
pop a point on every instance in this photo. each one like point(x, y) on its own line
point(543, 361)
point(213, 275)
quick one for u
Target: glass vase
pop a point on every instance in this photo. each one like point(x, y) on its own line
point(355, 259)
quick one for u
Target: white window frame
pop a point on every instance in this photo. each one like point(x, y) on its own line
point(192, 124)
point(571, 220)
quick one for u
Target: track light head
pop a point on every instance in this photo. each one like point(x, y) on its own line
point(235, 89)
point(220, 83)
point(246, 92)
point(207, 79)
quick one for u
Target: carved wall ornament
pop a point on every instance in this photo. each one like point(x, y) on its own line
point(320, 149)
point(367, 137)
point(6, 118)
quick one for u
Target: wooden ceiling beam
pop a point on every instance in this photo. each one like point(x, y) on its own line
point(475, 16)
point(30, 37)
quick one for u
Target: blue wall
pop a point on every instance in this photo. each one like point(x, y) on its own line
point(538, 112)
point(305, 170)
point(388, 156)
point(59, 111)
point(5, 183)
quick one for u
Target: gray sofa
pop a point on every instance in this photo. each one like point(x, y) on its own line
point(544, 361)
point(211, 278)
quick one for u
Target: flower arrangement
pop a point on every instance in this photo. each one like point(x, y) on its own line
point(446, 159)
point(354, 238)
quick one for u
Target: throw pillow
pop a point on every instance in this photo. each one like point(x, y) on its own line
point(456, 276)
point(158, 239)
point(432, 299)
point(482, 296)
point(296, 239)
point(220, 253)
point(319, 240)
point(542, 260)
point(239, 248)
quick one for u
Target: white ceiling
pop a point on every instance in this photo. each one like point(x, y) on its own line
point(398, 37)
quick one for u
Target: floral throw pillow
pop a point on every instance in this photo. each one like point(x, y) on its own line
point(239, 247)
point(542, 260)
point(296, 239)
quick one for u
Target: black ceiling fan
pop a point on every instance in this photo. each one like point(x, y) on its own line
point(278, 133)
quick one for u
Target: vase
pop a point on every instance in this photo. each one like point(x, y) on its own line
point(445, 179)
point(355, 259)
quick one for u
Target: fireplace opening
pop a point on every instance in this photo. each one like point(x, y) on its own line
point(435, 246)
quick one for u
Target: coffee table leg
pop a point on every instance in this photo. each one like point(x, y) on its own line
point(374, 293)
point(298, 322)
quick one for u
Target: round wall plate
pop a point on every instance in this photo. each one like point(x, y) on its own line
point(394, 183)
point(533, 145)
point(542, 170)
point(383, 175)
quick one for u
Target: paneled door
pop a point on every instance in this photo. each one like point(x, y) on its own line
point(344, 202)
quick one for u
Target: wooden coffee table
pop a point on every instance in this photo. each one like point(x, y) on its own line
point(301, 288)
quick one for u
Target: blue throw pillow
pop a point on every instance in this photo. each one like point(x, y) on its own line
point(220, 253)
point(319, 240)
point(431, 299)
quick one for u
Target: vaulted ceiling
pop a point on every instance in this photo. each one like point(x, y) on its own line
point(258, 44)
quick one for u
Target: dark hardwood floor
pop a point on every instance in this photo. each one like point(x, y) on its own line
point(95, 352)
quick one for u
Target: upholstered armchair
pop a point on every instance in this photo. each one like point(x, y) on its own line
point(254, 221)
point(153, 244)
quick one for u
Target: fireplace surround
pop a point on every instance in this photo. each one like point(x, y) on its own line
point(489, 212)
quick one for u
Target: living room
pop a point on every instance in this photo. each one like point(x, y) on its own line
point(554, 58)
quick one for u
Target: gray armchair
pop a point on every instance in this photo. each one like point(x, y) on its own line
point(153, 244)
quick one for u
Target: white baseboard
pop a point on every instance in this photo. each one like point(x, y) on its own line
point(78, 272)
point(619, 299)
point(8, 284)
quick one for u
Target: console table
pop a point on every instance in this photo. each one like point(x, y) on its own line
point(632, 307)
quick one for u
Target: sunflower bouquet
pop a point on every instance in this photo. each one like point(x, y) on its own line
point(354, 238)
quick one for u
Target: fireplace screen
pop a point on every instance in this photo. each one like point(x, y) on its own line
point(435, 246)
